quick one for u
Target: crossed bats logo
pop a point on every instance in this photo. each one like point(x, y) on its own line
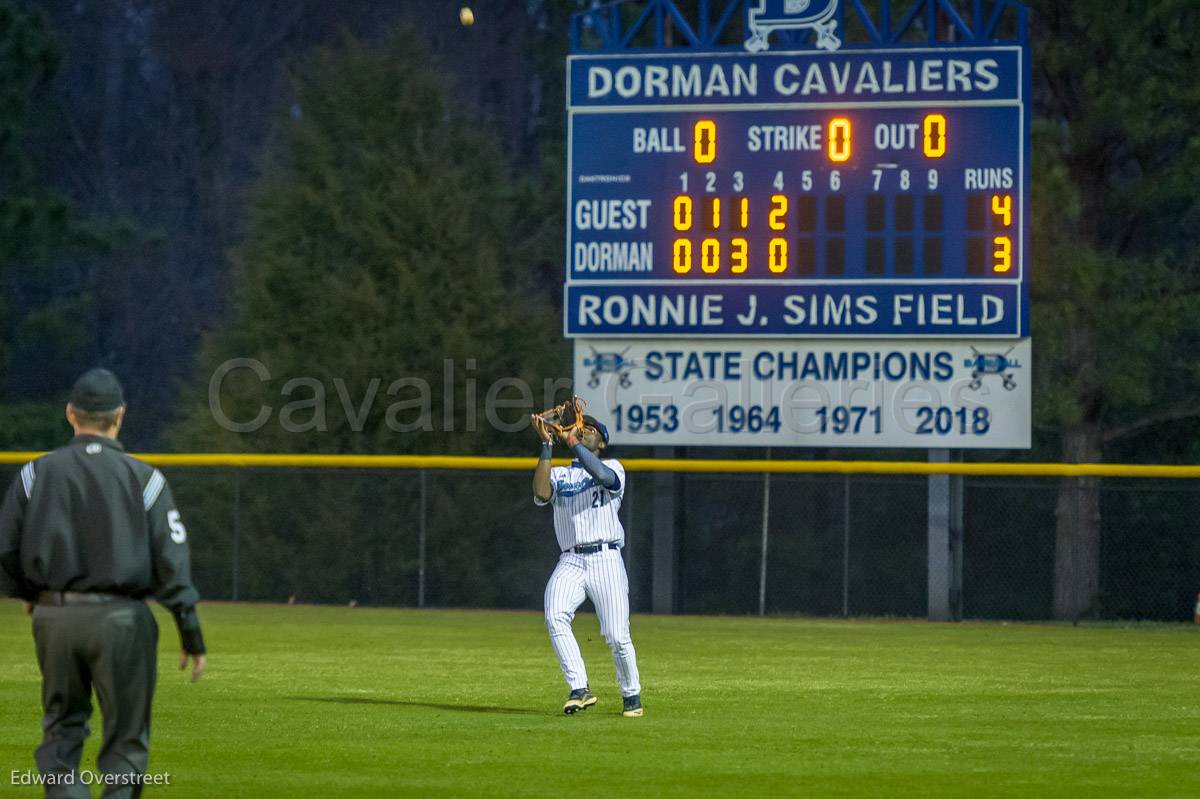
point(776, 15)
point(611, 363)
point(992, 363)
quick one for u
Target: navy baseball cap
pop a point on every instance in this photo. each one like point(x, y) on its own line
point(599, 425)
point(97, 391)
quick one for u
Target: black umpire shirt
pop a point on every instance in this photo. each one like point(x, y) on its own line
point(89, 518)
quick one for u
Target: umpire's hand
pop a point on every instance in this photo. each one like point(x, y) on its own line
point(198, 662)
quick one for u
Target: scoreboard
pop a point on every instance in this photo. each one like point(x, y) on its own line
point(855, 194)
point(821, 247)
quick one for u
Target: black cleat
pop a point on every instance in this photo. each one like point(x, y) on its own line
point(633, 706)
point(580, 699)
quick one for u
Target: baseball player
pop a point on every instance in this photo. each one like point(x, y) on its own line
point(587, 497)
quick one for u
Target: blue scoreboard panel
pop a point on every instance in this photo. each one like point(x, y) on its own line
point(827, 194)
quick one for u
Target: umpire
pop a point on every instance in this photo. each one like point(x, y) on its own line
point(87, 533)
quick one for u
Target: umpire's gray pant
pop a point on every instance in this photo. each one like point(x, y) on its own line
point(112, 647)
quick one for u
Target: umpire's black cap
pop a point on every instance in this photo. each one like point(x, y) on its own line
point(97, 390)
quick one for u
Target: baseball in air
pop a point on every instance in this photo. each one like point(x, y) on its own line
point(466, 16)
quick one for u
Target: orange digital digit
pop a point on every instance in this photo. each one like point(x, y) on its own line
point(744, 213)
point(934, 139)
point(704, 141)
point(779, 207)
point(681, 256)
point(777, 255)
point(715, 214)
point(738, 250)
point(683, 212)
point(710, 256)
point(839, 139)
point(1002, 255)
point(1002, 208)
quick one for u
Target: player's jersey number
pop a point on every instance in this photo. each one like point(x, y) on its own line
point(178, 531)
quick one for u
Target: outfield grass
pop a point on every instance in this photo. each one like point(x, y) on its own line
point(327, 702)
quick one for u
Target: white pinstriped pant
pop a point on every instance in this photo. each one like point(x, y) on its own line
point(601, 578)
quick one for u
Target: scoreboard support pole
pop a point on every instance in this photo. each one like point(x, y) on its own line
point(945, 540)
point(662, 591)
point(766, 531)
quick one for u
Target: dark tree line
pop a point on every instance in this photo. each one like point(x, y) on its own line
point(155, 116)
point(296, 182)
point(1116, 291)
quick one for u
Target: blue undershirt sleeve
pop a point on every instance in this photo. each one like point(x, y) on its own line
point(596, 468)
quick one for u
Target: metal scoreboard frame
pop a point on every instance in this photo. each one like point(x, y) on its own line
point(792, 212)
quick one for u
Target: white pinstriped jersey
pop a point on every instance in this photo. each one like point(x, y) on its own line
point(585, 512)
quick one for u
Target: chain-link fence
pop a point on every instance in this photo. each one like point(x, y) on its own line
point(837, 544)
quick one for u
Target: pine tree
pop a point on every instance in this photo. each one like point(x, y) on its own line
point(380, 245)
point(1116, 276)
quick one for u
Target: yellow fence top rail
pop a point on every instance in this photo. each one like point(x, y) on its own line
point(752, 466)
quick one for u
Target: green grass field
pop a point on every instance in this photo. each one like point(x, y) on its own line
point(326, 702)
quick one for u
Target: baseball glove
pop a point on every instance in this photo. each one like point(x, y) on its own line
point(564, 419)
